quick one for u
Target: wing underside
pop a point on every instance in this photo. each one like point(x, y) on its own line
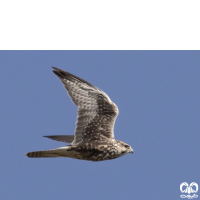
point(96, 112)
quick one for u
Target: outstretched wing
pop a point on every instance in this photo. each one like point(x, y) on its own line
point(96, 112)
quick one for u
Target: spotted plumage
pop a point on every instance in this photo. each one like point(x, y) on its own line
point(94, 135)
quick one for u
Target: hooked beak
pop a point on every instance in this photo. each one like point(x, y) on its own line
point(131, 150)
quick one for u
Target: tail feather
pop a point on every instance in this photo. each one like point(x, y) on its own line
point(43, 154)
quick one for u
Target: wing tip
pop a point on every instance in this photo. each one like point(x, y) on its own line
point(60, 73)
point(61, 138)
point(47, 136)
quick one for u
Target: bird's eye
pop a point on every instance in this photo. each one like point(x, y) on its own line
point(126, 146)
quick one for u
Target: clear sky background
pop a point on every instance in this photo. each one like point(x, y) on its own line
point(158, 96)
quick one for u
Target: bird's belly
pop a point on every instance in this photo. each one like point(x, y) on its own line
point(96, 154)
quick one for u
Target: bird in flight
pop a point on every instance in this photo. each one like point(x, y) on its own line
point(94, 135)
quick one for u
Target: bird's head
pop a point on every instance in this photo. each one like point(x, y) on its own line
point(125, 148)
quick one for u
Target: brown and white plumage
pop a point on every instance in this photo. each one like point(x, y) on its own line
point(94, 137)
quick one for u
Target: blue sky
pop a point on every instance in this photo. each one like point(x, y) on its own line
point(158, 96)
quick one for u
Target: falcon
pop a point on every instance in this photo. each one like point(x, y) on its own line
point(94, 135)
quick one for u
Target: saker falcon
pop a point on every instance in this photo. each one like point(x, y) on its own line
point(94, 137)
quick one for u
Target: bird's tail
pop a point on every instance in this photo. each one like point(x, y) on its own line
point(43, 154)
